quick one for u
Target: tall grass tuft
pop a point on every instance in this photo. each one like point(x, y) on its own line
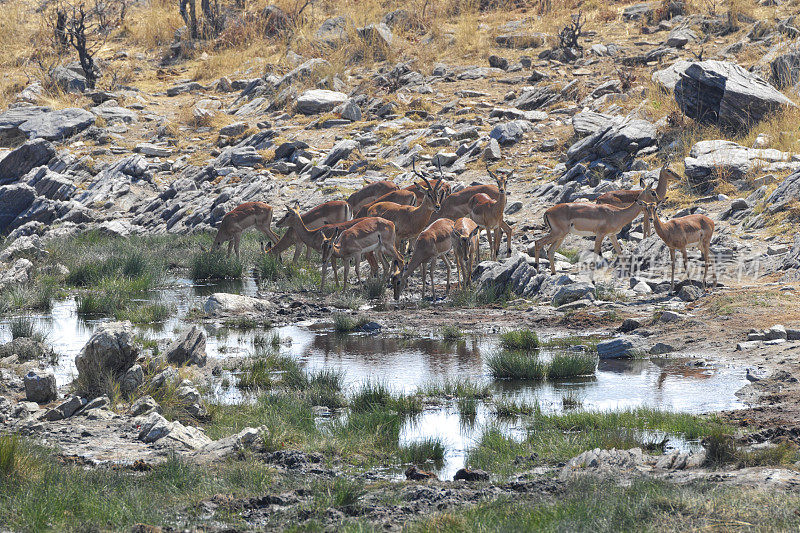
point(522, 339)
point(419, 452)
point(13, 458)
point(344, 323)
point(451, 332)
point(215, 265)
point(22, 327)
point(517, 365)
point(570, 365)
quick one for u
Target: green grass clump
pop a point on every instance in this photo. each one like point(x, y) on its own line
point(451, 332)
point(523, 339)
point(571, 364)
point(22, 327)
point(451, 388)
point(301, 276)
point(343, 323)
point(568, 341)
point(14, 458)
point(509, 408)
point(35, 296)
point(420, 452)
point(474, 297)
point(341, 492)
point(372, 395)
point(145, 312)
point(215, 265)
point(517, 365)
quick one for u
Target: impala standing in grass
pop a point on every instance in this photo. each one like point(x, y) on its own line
point(246, 215)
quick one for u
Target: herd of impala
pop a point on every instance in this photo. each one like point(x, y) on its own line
point(427, 220)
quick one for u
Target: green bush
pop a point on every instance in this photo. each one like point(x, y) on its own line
point(523, 339)
point(215, 265)
point(517, 365)
point(570, 365)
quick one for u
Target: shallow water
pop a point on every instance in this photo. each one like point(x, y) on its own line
point(405, 364)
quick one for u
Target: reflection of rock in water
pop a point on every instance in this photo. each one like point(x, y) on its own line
point(681, 369)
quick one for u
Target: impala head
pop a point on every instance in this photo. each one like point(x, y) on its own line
point(328, 243)
point(647, 196)
point(501, 179)
point(398, 279)
point(291, 212)
point(431, 192)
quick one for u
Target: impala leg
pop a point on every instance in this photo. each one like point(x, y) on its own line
point(685, 262)
point(672, 277)
point(705, 267)
point(271, 234)
point(335, 269)
point(498, 240)
point(615, 242)
point(230, 248)
point(236, 245)
point(357, 261)
point(447, 264)
point(551, 254)
point(508, 231)
point(490, 239)
point(646, 225)
point(431, 268)
point(424, 280)
point(346, 261)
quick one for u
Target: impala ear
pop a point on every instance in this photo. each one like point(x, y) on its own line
point(475, 231)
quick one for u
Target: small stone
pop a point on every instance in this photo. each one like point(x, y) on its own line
point(669, 316)
point(40, 386)
point(468, 474)
point(776, 332)
point(144, 406)
point(690, 293)
point(661, 348)
point(65, 409)
point(630, 324)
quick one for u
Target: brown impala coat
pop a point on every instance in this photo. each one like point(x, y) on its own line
point(246, 215)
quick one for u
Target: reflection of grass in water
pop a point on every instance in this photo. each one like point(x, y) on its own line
point(451, 388)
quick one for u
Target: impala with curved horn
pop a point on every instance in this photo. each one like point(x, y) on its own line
point(488, 213)
point(584, 218)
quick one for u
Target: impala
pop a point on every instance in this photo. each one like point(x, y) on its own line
point(465, 248)
point(313, 239)
point(583, 218)
point(258, 214)
point(682, 232)
point(626, 197)
point(369, 193)
point(433, 242)
point(456, 205)
point(400, 196)
point(370, 234)
point(488, 214)
point(409, 221)
point(326, 213)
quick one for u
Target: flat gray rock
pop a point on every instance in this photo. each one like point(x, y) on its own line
point(57, 125)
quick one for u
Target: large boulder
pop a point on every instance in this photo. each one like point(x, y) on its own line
point(620, 348)
point(315, 101)
point(14, 200)
point(333, 31)
point(726, 95)
point(620, 139)
point(190, 348)
point(221, 303)
point(13, 117)
point(573, 292)
point(786, 192)
point(68, 80)
point(25, 157)
point(50, 184)
point(110, 352)
point(340, 150)
point(57, 125)
point(668, 77)
point(18, 273)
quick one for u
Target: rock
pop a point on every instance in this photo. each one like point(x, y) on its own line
point(731, 161)
point(132, 379)
point(152, 150)
point(57, 125)
point(667, 78)
point(65, 409)
point(661, 348)
point(416, 474)
point(624, 136)
point(587, 122)
point(690, 293)
point(182, 88)
point(276, 21)
point(40, 386)
point(498, 62)
point(25, 157)
point(786, 192)
point(51, 184)
point(166, 377)
point(520, 41)
point(110, 351)
point(156, 428)
point(492, 151)
point(247, 439)
point(340, 150)
point(350, 111)
point(670, 316)
point(101, 402)
point(68, 80)
point(115, 114)
point(315, 101)
point(572, 292)
point(513, 207)
point(13, 117)
point(307, 70)
point(747, 345)
point(19, 273)
point(189, 349)
point(630, 324)
point(377, 36)
point(333, 31)
point(792, 334)
point(468, 474)
point(776, 332)
point(191, 401)
point(510, 132)
point(680, 37)
point(221, 303)
point(726, 95)
point(14, 200)
point(785, 69)
point(26, 349)
point(144, 406)
point(618, 348)
point(643, 11)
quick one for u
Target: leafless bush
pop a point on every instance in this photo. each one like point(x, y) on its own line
point(569, 34)
point(81, 28)
point(209, 25)
point(626, 77)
